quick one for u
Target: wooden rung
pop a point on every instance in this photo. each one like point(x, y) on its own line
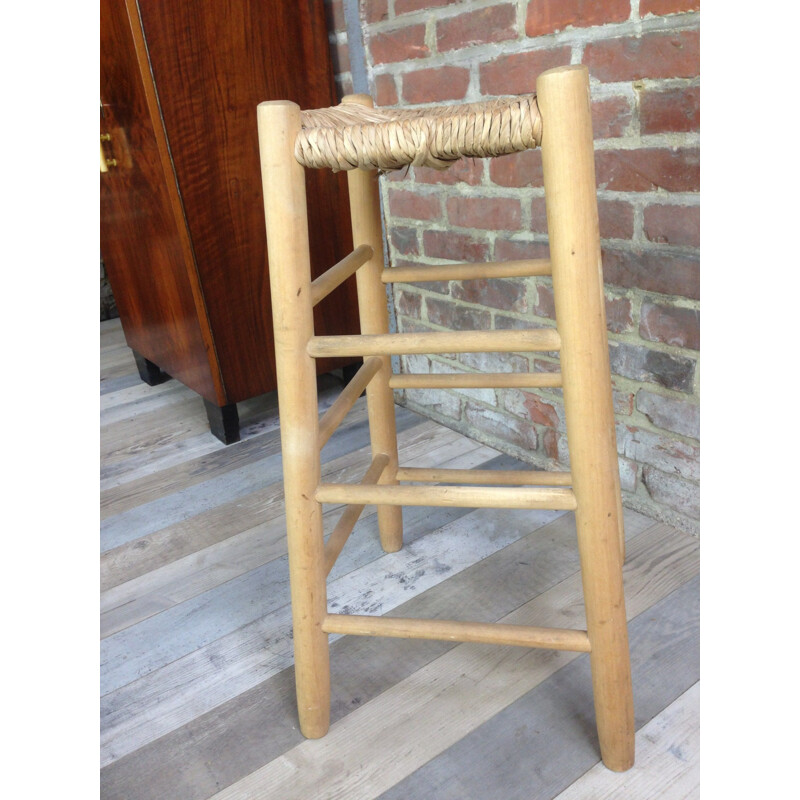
point(538, 339)
point(490, 477)
point(477, 380)
point(344, 527)
point(450, 630)
point(322, 286)
point(463, 272)
point(452, 496)
point(333, 417)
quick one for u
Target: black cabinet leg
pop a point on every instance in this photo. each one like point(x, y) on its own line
point(223, 421)
point(149, 372)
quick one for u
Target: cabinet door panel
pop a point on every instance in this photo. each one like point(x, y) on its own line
point(142, 242)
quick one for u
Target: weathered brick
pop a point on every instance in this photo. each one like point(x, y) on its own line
point(516, 73)
point(493, 24)
point(670, 110)
point(506, 294)
point(623, 402)
point(456, 317)
point(671, 491)
point(668, 454)
point(675, 54)
point(375, 10)
point(648, 169)
point(531, 406)
point(642, 364)
point(439, 401)
point(385, 90)
point(435, 84)
point(616, 218)
point(404, 240)
point(653, 271)
point(400, 44)
point(454, 246)
point(494, 362)
point(628, 471)
point(611, 117)
point(404, 203)
point(618, 309)
point(518, 432)
point(618, 314)
point(550, 443)
point(406, 6)
point(511, 250)
point(661, 7)
point(671, 224)
point(548, 16)
point(488, 213)
point(670, 413)
point(671, 325)
point(466, 170)
point(518, 169)
point(408, 303)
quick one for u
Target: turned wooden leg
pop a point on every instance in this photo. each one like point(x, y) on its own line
point(569, 181)
point(290, 284)
point(365, 214)
point(223, 421)
point(149, 372)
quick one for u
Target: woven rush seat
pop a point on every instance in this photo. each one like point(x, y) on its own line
point(350, 136)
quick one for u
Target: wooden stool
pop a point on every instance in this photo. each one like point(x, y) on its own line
point(362, 139)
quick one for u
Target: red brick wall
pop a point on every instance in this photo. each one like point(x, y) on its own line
point(643, 57)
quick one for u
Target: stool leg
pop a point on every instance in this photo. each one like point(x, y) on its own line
point(569, 180)
point(290, 284)
point(365, 214)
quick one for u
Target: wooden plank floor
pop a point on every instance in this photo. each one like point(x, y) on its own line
point(197, 691)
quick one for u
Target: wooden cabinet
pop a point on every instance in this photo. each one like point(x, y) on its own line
point(182, 219)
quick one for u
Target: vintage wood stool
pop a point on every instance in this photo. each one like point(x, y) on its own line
point(357, 137)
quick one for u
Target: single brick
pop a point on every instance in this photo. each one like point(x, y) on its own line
point(616, 218)
point(671, 325)
point(403, 203)
point(623, 402)
point(663, 452)
point(454, 246)
point(506, 294)
point(669, 224)
point(510, 250)
point(408, 303)
point(493, 24)
point(406, 6)
point(494, 362)
point(668, 490)
point(674, 54)
point(400, 44)
point(530, 406)
point(550, 443)
point(545, 302)
point(661, 7)
point(652, 366)
point(670, 413)
point(611, 117)
point(628, 472)
point(404, 240)
point(456, 317)
point(509, 429)
point(516, 73)
point(437, 400)
point(548, 16)
point(518, 170)
point(670, 110)
point(385, 90)
point(465, 170)
point(648, 169)
point(435, 84)
point(488, 213)
point(375, 10)
point(653, 271)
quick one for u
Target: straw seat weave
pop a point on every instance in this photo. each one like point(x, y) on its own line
point(350, 135)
